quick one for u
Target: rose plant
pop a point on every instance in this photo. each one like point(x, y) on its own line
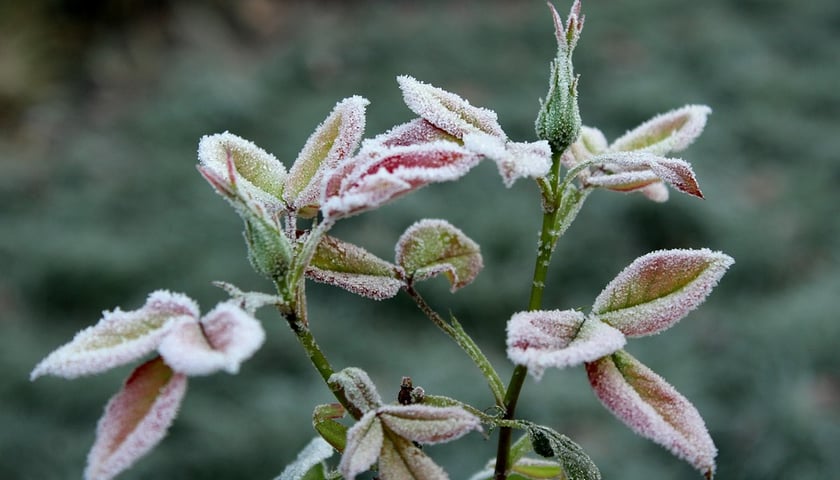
point(288, 215)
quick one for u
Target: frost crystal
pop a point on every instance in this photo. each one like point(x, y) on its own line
point(426, 424)
point(357, 387)
point(135, 419)
point(630, 171)
point(651, 407)
point(119, 337)
point(542, 339)
point(659, 289)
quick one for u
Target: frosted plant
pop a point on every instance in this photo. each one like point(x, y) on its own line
point(340, 173)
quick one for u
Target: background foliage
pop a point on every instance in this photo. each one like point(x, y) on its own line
point(102, 105)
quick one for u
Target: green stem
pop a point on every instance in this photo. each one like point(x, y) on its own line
point(564, 202)
point(467, 344)
point(296, 318)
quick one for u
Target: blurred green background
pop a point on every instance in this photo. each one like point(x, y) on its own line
point(101, 108)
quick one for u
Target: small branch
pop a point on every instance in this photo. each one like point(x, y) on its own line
point(455, 331)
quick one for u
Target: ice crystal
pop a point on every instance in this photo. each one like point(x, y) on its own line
point(427, 424)
point(357, 387)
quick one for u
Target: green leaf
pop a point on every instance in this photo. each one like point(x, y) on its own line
point(323, 420)
point(431, 247)
point(353, 268)
point(575, 462)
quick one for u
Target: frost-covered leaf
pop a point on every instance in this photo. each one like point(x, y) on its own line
point(651, 407)
point(658, 289)
point(226, 337)
point(448, 111)
point(364, 444)
point(315, 452)
point(379, 174)
point(431, 247)
point(241, 167)
point(353, 268)
point(668, 132)
point(514, 159)
point(630, 171)
point(358, 388)
point(119, 337)
point(400, 459)
point(427, 424)
point(333, 141)
point(542, 339)
point(575, 462)
point(135, 419)
point(269, 251)
point(414, 132)
point(323, 420)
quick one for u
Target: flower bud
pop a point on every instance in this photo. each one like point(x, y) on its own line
point(558, 121)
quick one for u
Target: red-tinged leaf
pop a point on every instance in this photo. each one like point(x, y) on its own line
point(400, 459)
point(364, 445)
point(668, 132)
point(353, 268)
point(414, 132)
point(226, 337)
point(514, 159)
point(431, 247)
point(119, 337)
point(659, 289)
point(630, 171)
point(651, 407)
point(136, 419)
point(380, 174)
point(428, 424)
point(238, 165)
point(542, 339)
point(448, 111)
point(333, 141)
